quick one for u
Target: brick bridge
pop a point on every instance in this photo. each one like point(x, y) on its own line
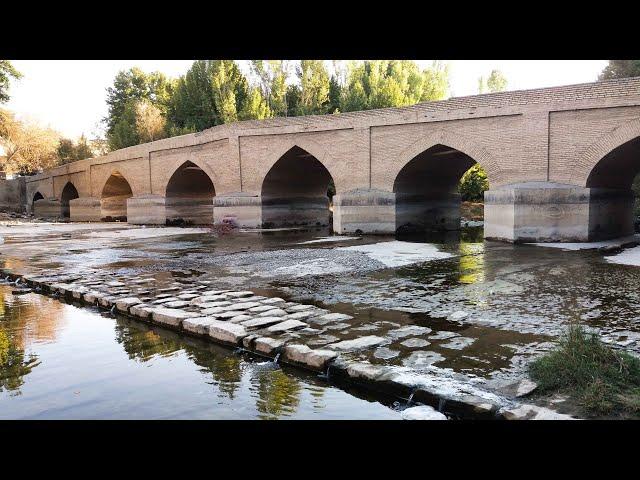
point(560, 162)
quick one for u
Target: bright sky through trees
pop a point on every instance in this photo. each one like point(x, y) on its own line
point(69, 95)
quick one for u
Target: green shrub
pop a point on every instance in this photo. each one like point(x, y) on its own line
point(601, 379)
point(473, 184)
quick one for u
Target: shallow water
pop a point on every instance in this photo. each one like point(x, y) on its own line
point(59, 361)
point(482, 309)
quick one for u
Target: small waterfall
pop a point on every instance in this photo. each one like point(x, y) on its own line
point(275, 360)
point(441, 403)
point(113, 310)
point(410, 399)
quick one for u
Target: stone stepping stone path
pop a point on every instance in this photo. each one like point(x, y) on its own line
point(287, 331)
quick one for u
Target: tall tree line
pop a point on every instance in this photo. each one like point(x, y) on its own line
point(147, 106)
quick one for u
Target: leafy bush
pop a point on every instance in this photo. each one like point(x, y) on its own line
point(473, 184)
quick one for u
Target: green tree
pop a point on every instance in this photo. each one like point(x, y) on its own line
point(7, 72)
point(69, 151)
point(495, 82)
point(211, 93)
point(255, 108)
point(314, 88)
point(392, 83)
point(272, 77)
point(620, 69)
point(129, 87)
point(473, 184)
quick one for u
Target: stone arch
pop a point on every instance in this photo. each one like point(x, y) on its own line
point(295, 190)
point(37, 196)
point(457, 141)
point(69, 192)
point(189, 195)
point(113, 197)
point(425, 186)
point(311, 147)
point(602, 149)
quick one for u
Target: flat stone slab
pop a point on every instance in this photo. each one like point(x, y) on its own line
point(91, 297)
point(188, 296)
point(261, 322)
point(240, 318)
point(287, 325)
point(272, 301)
point(298, 308)
point(458, 343)
point(245, 305)
point(239, 294)
point(165, 300)
point(171, 316)
point(230, 333)
point(267, 345)
point(141, 310)
point(415, 343)
point(408, 331)
point(177, 304)
point(357, 343)
point(276, 312)
point(197, 325)
point(385, 353)
point(302, 315)
point(227, 314)
point(261, 308)
point(422, 359)
point(422, 412)
point(207, 299)
point(533, 412)
point(123, 304)
point(305, 356)
point(332, 317)
point(443, 335)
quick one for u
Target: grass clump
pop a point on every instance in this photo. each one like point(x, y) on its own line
point(602, 380)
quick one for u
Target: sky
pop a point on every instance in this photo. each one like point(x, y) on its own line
point(69, 95)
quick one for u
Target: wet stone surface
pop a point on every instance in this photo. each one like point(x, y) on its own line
point(481, 312)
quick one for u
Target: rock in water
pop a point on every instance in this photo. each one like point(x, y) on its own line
point(422, 412)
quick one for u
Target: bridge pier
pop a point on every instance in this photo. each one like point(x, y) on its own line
point(49, 208)
point(551, 212)
point(146, 210)
point(85, 209)
point(364, 210)
point(241, 209)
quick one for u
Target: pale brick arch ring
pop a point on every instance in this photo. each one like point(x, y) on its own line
point(590, 157)
point(456, 141)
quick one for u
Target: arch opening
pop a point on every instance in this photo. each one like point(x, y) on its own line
point(297, 190)
point(426, 189)
point(37, 196)
point(113, 200)
point(189, 196)
point(614, 192)
point(69, 192)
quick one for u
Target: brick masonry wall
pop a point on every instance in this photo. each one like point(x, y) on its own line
point(531, 135)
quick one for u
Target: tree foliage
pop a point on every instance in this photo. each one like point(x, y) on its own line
point(7, 72)
point(392, 83)
point(69, 151)
point(473, 184)
point(28, 146)
point(129, 88)
point(620, 69)
point(496, 82)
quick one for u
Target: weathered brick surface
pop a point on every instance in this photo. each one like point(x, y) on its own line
point(555, 134)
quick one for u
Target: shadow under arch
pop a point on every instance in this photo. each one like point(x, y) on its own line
point(69, 192)
point(611, 199)
point(295, 191)
point(189, 196)
point(426, 190)
point(37, 196)
point(113, 199)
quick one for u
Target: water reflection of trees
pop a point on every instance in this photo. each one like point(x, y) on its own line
point(24, 320)
point(142, 344)
point(471, 262)
point(278, 394)
point(14, 364)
